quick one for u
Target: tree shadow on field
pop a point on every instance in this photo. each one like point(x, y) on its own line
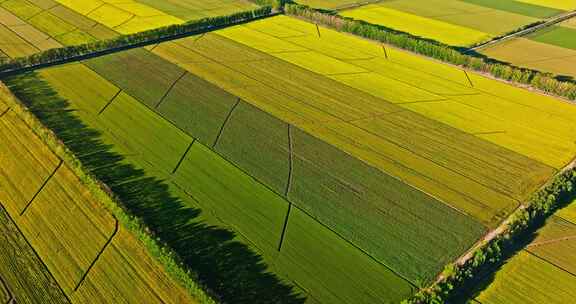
point(232, 272)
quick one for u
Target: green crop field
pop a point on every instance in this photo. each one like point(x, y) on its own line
point(65, 237)
point(279, 161)
point(551, 49)
point(545, 266)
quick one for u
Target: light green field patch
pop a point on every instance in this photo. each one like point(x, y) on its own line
point(96, 92)
point(138, 9)
point(332, 270)
point(51, 25)
point(237, 199)
point(527, 279)
point(420, 26)
point(21, 8)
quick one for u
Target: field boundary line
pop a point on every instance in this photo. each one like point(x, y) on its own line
point(61, 161)
point(5, 111)
point(109, 102)
point(35, 252)
point(223, 126)
point(288, 186)
point(169, 88)
point(116, 228)
point(392, 161)
point(184, 155)
point(552, 241)
point(549, 262)
point(468, 77)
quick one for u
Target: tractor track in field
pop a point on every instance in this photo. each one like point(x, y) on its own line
point(567, 238)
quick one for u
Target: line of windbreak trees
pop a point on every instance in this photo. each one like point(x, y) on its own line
point(459, 281)
point(64, 54)
point(542, 81)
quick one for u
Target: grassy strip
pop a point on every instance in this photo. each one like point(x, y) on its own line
point(542, 81)
point(76, 52)
point(458, 279)
point(162, 253)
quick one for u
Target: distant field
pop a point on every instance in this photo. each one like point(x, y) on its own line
point(549, 50)
point(454, 22)
point(31, 26)
point(544, 271)
point(69, 230)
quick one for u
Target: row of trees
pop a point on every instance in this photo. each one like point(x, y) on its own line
point(431, 48)
point(68, 53)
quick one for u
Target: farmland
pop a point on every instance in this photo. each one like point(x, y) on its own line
point(31, 26)
point(551, 50)
point(455, 22)
point(276, 160)
point(198, 113)
point(66, 239)
point(546, 265)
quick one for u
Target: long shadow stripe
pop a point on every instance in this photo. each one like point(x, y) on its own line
point(42, 187)
point(170, 89)
point(116, 228)
point(225, 123)
point(184, 156)
point(110, 102)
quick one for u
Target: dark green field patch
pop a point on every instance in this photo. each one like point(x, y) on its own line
point(258, 143)
point(197, 107)
point(150, 78)
point(400, 226)
point(518, 7)
point(558, 36)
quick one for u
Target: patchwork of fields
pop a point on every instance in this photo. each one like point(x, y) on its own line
point(69, 248)
point(546, 266)
point(31, 26)
point(454, 22)
point(550, 50)
point(275, 130)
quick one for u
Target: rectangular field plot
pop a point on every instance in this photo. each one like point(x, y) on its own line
point(453, 22)
point(528, 279)
point(26, 163)
point(332, 270)
point(531, 53)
